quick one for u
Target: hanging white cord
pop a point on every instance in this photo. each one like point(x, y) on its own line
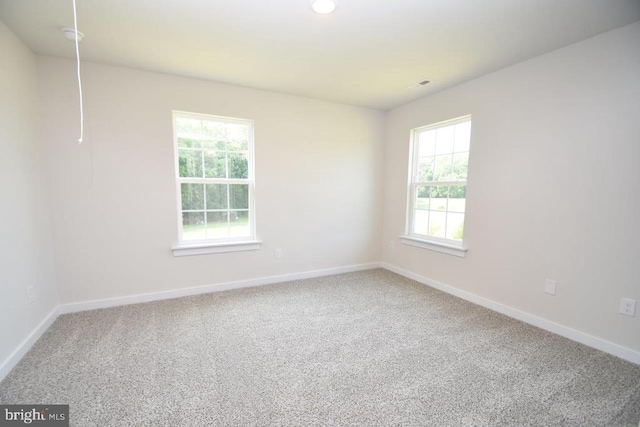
point(75, 27)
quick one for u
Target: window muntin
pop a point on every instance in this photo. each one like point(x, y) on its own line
point(214, 173)
point(438, 180)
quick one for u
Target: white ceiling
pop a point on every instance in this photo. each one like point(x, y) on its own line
point(366, 53)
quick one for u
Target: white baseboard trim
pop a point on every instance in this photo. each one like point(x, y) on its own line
point(572, 334)
point(10, 362)
point(177, 293)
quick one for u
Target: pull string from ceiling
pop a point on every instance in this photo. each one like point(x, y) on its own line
point(77, 41)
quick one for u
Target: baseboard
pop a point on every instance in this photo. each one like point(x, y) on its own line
point(572, 334)
point(177, 293)
point(10, 362)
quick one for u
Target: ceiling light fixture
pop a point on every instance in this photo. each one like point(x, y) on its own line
point(70, 34)
point(323, 7)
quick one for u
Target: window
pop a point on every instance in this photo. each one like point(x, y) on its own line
point(438, 186)
point(215, 180)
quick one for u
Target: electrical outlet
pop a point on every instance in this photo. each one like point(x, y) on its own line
point(277, 253)
point(628, 306)
point(392, 245)
point(550, 286)
point(31, 295)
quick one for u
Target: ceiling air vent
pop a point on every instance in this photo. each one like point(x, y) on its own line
point(419, 84)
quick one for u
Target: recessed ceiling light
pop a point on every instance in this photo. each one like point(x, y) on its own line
point(323, 7)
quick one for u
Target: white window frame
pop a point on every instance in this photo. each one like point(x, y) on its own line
point(424, 241)
point(225, 244)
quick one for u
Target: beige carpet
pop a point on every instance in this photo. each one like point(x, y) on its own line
point(360, 349)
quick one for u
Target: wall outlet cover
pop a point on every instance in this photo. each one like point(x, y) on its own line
point(628, 306)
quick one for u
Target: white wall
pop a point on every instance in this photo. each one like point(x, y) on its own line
point(318, 188)
point(26, 252)
point(554, 179)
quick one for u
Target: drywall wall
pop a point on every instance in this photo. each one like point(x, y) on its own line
point(26, 251)
point(552, 190)
point(318, 180)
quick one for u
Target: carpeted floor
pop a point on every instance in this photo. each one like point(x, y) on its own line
point(368, 349)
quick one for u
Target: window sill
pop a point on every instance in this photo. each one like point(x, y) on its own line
point(432, 245)
point(215, 248)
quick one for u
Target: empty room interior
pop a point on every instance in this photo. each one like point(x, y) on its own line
point(296, 213)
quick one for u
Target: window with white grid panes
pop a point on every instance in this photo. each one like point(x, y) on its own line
point(438, 180)
point(214, 173)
